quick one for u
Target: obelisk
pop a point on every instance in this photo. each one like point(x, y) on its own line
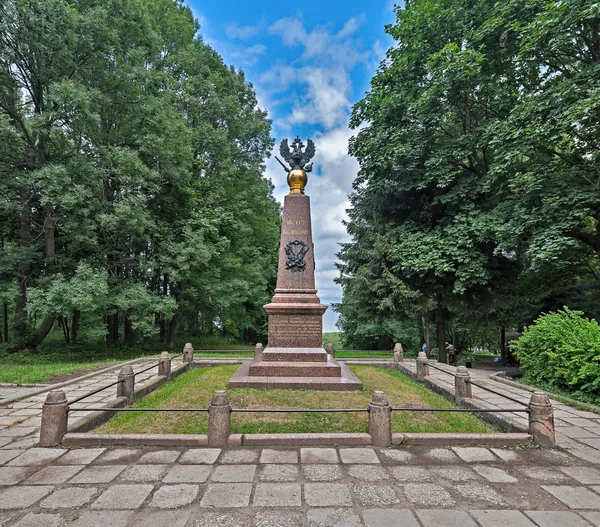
point(294, 357)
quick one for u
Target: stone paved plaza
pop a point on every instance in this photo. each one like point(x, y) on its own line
point(359, 486)
point(405, 486)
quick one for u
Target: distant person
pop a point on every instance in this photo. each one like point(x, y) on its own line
point(424, 348)
point(451, 354)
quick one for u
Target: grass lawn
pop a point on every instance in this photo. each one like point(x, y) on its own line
point(338, 354)
point(195, 388)
point(55, 361)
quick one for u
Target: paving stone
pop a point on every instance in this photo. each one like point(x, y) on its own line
point(4, 441)
point(277, 495)
point(269, 455)
point(479, 492)
point(399, 456)
point(546, 475)
point(333, 518)
point(442, 455)
point(510, 456)
point(163, 519)
point(11, 420)
point(160, 457)
point(557, 519)
point(574, 497)
point(454, 473)
point(592, 516)
point(24, 443)
point(575, 432)
point(227, 495)
point(103, 519)
point(144, 473)
point(233, 474)
point(385, 517)
point(368, 472)
point(587, 454)
point(435, 518)
point(206, 518)
point(409, 473)
point(119, 455)
point(23, 496)
point(200, 456)
point(98, 474)
point(275, 518)
point(174, 496)
point(239, 456)
point(322, 472)
point(123, 497)
point(36, 457)
point(188, 474)
point(474, 454)
point(358, 455)
point(375, 495)
point(12, 475)
point(428, 495)
point(585, 475)
point(17, 431)
point(494, 518)
point(318, 455)
point(39, 520)
point(69, 497)
point(82, 456)
point(54, 475)
point(327, 494)
point(495, 475)
point(7, 455)
point(279, 473)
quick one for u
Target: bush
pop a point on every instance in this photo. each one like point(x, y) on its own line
point(562, 350)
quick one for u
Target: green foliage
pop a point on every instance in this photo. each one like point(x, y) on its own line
point(562, 350)
point(132, 203)
point(478, 191)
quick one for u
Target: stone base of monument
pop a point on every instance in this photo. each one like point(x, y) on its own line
point(295, 369)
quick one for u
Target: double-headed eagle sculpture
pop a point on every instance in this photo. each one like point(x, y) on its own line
point(294, 156)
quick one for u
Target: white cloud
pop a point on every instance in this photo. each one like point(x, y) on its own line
point(234, 30)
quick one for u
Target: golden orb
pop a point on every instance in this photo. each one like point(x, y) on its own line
point(297, 180)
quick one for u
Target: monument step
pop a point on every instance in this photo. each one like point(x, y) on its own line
point(295, 369)
point(294, 355)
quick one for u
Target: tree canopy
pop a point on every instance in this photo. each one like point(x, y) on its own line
point(477, 196)
point(132, 200)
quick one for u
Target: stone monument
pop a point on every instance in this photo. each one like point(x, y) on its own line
point(294, 357)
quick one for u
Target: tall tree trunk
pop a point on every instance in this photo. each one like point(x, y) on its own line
point(421, 332)
point(115, 328)
point(441, 329)
point(427, 333)
point(5, 316)
point(75, 325)
point(108, 319)
point(503, 345)
point(24, 271)
point(172, 330)
point(65, 327)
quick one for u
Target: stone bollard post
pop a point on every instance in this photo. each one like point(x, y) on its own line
point(188, 353)
point(422, 366)
point(258, 350)
point(398, 353)
point(55, 414)
point(164, 365)
point(462, 388)
point(541, 419)
point(330, 350)
point(380, 419)
point(219, 411)
point(127, 387)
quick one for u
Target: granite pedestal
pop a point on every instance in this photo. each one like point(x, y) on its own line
point(294, 357)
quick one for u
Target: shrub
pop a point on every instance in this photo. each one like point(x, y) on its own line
point(562, 350)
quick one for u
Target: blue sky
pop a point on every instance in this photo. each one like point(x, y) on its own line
point(309, 63)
